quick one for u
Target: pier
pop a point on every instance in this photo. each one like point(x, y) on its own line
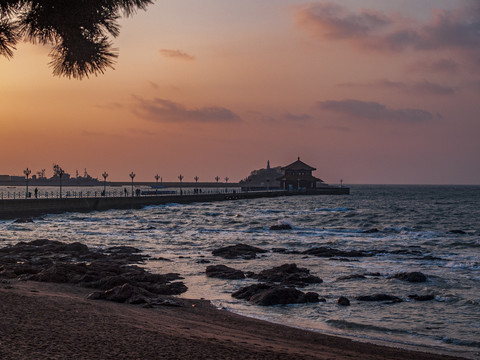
point(31, 207)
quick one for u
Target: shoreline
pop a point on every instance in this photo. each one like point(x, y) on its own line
point(56, 321)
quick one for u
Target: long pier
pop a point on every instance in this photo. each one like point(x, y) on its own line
point(22, 208)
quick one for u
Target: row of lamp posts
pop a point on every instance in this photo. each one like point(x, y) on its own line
point(59, 172)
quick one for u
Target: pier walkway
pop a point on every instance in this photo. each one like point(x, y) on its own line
point(21, 208)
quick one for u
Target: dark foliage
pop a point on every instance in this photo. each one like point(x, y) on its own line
point(78, 31)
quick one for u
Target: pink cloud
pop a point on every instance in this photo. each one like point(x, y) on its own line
point(447, 30)
point(176, 54)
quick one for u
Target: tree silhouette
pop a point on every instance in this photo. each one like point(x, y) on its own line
point(78, 31)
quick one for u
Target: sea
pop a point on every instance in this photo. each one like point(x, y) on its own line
point(431, 229)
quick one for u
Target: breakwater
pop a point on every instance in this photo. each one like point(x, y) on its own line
point(21, 208)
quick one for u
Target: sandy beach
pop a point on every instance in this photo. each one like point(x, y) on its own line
point(56, 321)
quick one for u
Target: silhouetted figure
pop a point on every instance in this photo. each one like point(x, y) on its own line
point(36, 193)
point(125, 191)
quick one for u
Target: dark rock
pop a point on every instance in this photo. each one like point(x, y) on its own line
point(371, 231)
point(128, 294)
point(380, 297)
point(457, 232)
point(323, 251)
point(288, 274)
point(267, 295)
point(224, 272)
point(281, 227)
point(414, 277)
point(23, 221)
point(343, 301)
point(123, 250)
point(238, 251)
point(203, 261)
point(427, 297)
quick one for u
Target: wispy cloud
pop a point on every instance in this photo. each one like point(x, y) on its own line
point(447, 30)
point(162, 110)
point(375, 111)
point(176, 54)
point(297, 117)
point(446, 66)
point(423, 87)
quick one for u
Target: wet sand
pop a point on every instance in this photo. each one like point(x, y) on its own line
point(56, 321)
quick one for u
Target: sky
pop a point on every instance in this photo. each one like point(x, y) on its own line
point(371, 92)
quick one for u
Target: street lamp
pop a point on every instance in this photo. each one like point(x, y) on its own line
point(27, 172)
point(217, 178)
point(341, 182)
point(180, 177)
point(60, 173)
point(196, 184)
point(226, 181)
point(156, 178)
point(105, 175)
point(132, 176)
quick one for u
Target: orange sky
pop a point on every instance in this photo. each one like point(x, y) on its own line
point(377, 92)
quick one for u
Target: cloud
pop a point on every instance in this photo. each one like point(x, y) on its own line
point(446, 66)
point(375, 111)
point(447, 30)
point(176, 54)
point(161, 110)
point(294, 117)
point(423, 87)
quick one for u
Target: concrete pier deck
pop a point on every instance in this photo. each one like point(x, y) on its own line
point(21, 208)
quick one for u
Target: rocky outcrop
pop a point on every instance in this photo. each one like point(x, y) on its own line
point(268, 295)
point(427, 297)
point(75, 263)
point(281, 227)
point(242, 251)
point(413, 277)
point(224, 272)
point(343, 301)
point(322, 251)
point(288, 274)
point(390, 299)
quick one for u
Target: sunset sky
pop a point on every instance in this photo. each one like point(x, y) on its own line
point(372, 91)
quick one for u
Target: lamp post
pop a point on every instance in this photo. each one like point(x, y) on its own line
point(217, 178)
point(226, 181)
point(196, 183)
point(132, 176)
point(156, 178)
point(180, 177)
point(60, 173)
point(105, 175)
point(27, 172)
point(341, 182)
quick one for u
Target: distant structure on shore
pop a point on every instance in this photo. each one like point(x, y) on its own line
point(40, 179)
point(295, 176)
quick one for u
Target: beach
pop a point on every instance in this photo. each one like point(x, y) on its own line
point(56, 321)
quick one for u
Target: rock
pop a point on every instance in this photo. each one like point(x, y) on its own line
point(281, 227)
point(343, 301)
point(267, 295)
point(23, 221)
point(371, 231)
point(238, 251)
point(427, 297)
point(288, 274)
point(380, 297)
point(414, 277)
point(224, 272)
point(457, 232)
point(285, 251)
point(128, 294)
point(203, 261)
point(323, 251)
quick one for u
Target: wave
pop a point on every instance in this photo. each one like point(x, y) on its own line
point(338, 209)
point(344, 324)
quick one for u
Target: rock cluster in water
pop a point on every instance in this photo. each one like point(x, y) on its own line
point(110, 271)
point(278, 284)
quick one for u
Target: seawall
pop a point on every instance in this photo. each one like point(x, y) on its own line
point(21, 208)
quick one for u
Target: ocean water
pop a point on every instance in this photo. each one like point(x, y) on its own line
point(414, 226)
